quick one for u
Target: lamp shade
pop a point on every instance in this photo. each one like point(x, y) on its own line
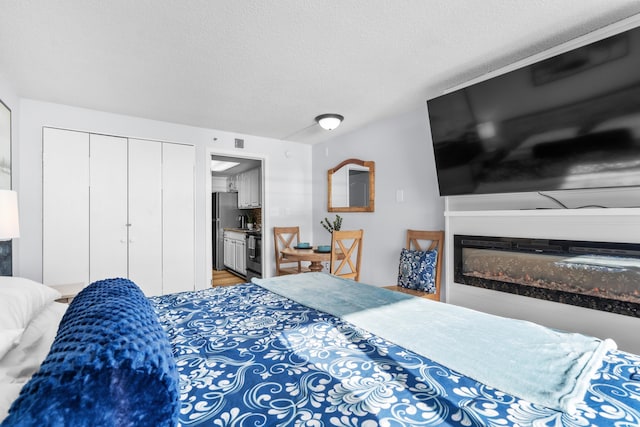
point(329, 121)
point(9, 227)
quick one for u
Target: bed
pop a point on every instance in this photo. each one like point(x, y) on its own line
point(315, 350)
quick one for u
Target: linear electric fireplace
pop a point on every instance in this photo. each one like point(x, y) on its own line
point(597, 275)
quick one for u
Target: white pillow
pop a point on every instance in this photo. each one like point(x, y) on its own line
point(22, 361)
point(8, 339)
point(20, 301)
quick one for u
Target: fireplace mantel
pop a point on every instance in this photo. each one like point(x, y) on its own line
point(517, 215)
point(587, 212)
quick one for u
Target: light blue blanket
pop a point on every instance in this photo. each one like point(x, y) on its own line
point(529, 361)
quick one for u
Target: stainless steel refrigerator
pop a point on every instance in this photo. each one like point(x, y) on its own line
point(225, 215)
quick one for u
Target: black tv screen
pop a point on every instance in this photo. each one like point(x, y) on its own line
point(569, 122)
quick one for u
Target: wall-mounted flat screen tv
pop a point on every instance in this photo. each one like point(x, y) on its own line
point(569, 122)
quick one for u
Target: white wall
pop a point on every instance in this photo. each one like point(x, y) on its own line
point(401, 149)
point(287, 187)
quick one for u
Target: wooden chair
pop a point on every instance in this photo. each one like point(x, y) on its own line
point(422, 240)
point(286, 237)
point(344, 245)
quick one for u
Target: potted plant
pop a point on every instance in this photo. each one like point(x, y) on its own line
point(330, 226)
point(251, 220)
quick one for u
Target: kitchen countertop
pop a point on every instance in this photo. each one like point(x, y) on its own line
point(243, 230)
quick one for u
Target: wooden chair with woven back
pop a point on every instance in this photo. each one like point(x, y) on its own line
point(420, 269)
point(346, 253)
point(286, 237)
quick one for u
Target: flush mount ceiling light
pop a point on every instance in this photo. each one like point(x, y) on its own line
point(329, 121)
point(219, 165)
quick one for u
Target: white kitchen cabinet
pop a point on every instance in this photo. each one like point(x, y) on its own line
point(255, 188)
point(241, 257)
point(244, 190)
point(118, 207)
point(242, 193)
point(249, 189)
point(229, 253)
point(235, 256)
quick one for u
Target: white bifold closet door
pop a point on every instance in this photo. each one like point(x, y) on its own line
point(178, 232)
point(65, 206)
point(118, 207)
point(145, 215)
point(108, 236)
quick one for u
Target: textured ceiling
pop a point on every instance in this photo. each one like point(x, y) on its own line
point(269, 67)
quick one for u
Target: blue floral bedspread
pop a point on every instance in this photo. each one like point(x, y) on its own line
point(249, 357)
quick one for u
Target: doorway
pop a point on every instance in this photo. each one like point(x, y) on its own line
point(237, 200)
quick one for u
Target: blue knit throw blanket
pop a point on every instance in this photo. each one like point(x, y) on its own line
point(544, 366)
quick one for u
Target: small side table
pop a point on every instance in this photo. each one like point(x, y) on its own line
point(68, 291)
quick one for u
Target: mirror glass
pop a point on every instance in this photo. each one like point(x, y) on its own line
point(351, 186)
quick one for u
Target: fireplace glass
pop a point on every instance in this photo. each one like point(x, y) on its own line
point(598, 275)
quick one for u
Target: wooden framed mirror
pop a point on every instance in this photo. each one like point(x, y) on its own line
point(351, 186)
